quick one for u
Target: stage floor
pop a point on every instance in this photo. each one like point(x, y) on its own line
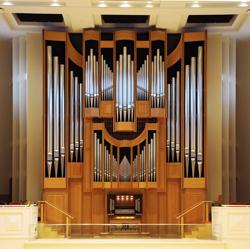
point(124, 243)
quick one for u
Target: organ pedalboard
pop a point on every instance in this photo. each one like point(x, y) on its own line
point(124, 113)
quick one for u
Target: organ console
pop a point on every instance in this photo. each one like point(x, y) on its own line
point(124, 116)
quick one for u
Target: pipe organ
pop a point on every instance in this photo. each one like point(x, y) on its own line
point(124, 116)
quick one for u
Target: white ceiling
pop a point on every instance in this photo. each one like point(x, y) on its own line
point(79, 14)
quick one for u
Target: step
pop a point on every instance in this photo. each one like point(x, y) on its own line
point(124, 244)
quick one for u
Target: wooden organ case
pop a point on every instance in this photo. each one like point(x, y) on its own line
point(124, 115)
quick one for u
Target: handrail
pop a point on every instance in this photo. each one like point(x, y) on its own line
point(188, 210)
point(58, 209)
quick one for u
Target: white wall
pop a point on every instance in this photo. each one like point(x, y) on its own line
point(27, 117)
point(5, 115)
point(34, 51)
point(214, 115)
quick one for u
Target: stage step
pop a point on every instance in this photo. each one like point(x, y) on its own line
point(200, 232)
point(124, 244)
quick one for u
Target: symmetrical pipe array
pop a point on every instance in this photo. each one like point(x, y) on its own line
point(106, 81)
point(152, 159)
point(173, 120)
point(76, 119)
point(107, 165)
point(157, 87)
point(143, 81)
point(97, 158)
point(91, 79)
point(124, 88)
point(194, 116)
point(55, 115)
point(124, 169)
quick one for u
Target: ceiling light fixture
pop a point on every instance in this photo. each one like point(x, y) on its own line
point(102, 4)
point(195, 4)
point(125, 5)
point(55, 4)
point(7, 3)
point(149, 5)
point(243, 4)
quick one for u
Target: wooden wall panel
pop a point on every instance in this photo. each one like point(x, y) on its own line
point(59, 199)
point(98, 206)
point(87, 207)
point(190, 198)
point(162, 207)
point(75, 200)
point(87, 156)
point(150, 207)
point(173, 200)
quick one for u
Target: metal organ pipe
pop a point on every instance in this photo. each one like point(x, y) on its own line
point(187, 115)
point(173, 119)
point(49, 110)
point(106, 81)
point(71, 116)
point(142, 81)
point(177, 124)
point(157, 88)
point(193, 112)
point(55, 115)
point(62, 121)
point(200, 110)
point(125, 89)
point(194, 115)
point(91, 79)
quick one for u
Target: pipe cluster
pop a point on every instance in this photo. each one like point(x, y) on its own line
point(91, 79)
point(173, 120)
point(55, 115)
point(143, 81)
point(157, 87)
point(76, 119)
point(106, 81)
point(124, 88)
point(194, 116)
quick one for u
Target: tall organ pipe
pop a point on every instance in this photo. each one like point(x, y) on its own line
point(168, 122)
point(62, 121)
point(76, 112)
point(173, 120)
point(187, 117)
point(49, 110)
point(193, 116)
point(81, 122)
point(71, 116)
point(56, 113)
point(177, 125)
point(200, 110)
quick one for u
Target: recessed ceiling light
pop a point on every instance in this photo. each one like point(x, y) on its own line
point(7, 3)
point(102, 4)
point(149, 5)
point(195, 4)
point(243, 4)
point(125, 5)
point(55, 4)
